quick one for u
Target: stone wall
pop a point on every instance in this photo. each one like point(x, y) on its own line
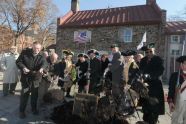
point(103, 37)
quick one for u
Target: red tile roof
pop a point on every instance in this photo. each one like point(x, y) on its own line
point(141, 14)
point(176, 27)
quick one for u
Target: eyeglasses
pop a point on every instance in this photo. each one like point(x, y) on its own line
point(148, 52)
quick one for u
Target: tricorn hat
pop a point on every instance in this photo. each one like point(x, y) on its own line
point(93, 51)
point(147, 47)
point(68, 52)
point(128, 53)
point(181, 59)
point(83, 55)
point(114, 45)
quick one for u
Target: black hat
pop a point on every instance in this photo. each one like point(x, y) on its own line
point(114, 45)
point(86, 56)
point(147, 47)
point(128, 53)
point(181, 59)
point(93, 51)
point(82, 55)
point(68, 52)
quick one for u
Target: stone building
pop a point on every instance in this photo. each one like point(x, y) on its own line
point(175, 35)
point(103, 27)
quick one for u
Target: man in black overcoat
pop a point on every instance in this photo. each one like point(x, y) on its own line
point(95, 71)
point(152, 65)
point(116, 68)
point(31, 62)
point(82, 67)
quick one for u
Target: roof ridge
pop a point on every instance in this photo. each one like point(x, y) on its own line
point(176, 21)
point(112, 8)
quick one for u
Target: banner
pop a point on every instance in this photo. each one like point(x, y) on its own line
point(144, 38)
point(82, 36)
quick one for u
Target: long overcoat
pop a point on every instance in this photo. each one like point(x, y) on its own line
point(8, 64)
point(116, 68)
point(34, 64)
point(154, 67)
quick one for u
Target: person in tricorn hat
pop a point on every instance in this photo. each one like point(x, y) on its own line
point(130, 71)
point(81, 67)
point(130, 68)
point(95, 71)
point(177, 93)
point(152, 65)
point(116, 68)
point(67, 73)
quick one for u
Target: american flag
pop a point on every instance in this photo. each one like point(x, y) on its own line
point(81, 36)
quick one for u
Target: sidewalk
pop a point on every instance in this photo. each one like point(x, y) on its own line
point(9, 109)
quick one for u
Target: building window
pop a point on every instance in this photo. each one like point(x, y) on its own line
point(127, 35)
point(175, 39)
point(175, 52)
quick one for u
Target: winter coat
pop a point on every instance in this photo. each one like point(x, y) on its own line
point(8, 64)
point(116, 68)
point(81, 72)
point(154, 68)
point(95, 70)
point(34, 64)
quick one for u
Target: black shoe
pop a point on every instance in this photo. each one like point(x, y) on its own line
point(22, 115)
point(35, 112)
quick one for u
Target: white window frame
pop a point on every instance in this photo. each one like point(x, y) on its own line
point(175, 52)
point(172, 38)
point(127, 38)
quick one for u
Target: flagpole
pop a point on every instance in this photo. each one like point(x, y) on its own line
point(85, 47)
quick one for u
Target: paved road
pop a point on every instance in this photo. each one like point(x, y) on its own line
point(9, 110)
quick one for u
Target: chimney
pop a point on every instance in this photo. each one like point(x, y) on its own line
point(75, 5)
point(164, 17)
point(150, 2)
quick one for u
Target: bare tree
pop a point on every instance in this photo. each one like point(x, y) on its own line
point(47, 25)
point(21, 15)
point(180, 16)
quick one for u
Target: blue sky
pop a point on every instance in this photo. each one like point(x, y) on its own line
point(173, 7)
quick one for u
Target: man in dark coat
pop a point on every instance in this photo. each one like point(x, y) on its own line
point(177, 93)
point(82, 67)
point(152, 65)
point(95, 71)
point(116, 68)
point(31, 63)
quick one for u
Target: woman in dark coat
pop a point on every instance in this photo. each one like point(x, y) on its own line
point(152, 65)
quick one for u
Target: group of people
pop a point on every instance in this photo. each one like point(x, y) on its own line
point(38, 70)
